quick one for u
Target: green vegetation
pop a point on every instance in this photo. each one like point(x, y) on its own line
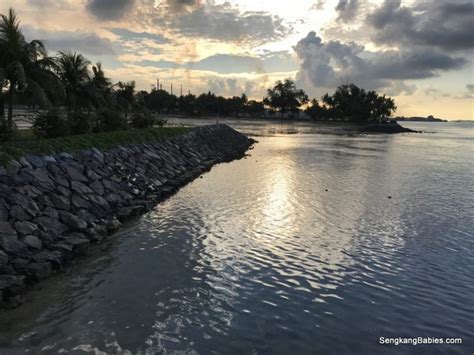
point(26, 143)
point(353, 104)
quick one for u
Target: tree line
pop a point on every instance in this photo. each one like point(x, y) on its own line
point(91, 102)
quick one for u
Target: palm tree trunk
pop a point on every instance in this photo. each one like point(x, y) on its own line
point(2, 105)
point(10, 108)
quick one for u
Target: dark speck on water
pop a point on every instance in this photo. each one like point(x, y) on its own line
point(255, 258)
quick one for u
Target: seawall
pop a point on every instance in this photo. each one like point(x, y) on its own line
point(52, 208)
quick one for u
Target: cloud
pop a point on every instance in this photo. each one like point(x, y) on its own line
point(347, 10)
point(318, 5)
point(209, 20)
point(470, 88)
point(126, 35)
point(441, 24)
point(109, 9)
point(334, 63)
point(233, 64)
point(86, 42)
point(233, 87)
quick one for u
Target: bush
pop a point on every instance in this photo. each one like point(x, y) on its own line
point(142, 120)
point(51, 125)
point(110, 120)
point(80, 123)
point(5, 132)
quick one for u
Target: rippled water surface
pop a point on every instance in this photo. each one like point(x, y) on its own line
point(313, 244)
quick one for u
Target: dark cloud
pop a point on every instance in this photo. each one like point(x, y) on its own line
point(181, 5)
point(347, 10)
point(334, 63)
point(441, 24)
point(85, 42)
point(470, 88)
point(110, 9)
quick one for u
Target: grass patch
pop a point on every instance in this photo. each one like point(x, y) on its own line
point(26, 143)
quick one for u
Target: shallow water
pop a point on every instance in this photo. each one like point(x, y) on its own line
point(296, 249)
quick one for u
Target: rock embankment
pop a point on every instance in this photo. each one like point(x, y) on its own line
point(53, 207)
point(388, 128)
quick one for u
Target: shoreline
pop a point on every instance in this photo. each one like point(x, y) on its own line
point(55, 207)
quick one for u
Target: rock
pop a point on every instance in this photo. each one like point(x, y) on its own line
point(11, 245)
point(31, 191)
point(39, 271)
point(44, 200)
point(112, 225)
point(33, 242)
point(54, 257)
point(110, 185)
point(92, 175)
point(100, 201)
point(3, 213)
point(75, 174)
point(79, 242)
point(98, 188)
point(60, 202)
point(80, 188)
point(64, 191)
point(19, 214)
point(66, 156)
point(25, 163)
point(27, 203)
point(13, 167)
point(50, 159)
point(36, 161)
point(19, 265)
point(113, 198)
point(6, 229)
point(42, 179)
point(87, 215)
point(51, 212)
point(72, 221)
point(25, 228)
point(12, 285)
point(62, 247)
point(79, 202)
point(3, 259)
point(51, 226)
point(97, 155)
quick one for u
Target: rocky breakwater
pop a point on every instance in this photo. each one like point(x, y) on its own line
point(52, 208)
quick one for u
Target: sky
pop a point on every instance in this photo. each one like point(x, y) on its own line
point(418, 51)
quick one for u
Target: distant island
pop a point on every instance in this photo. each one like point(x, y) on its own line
point(429, 118)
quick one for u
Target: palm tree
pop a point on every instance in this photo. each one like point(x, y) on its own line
point(73, 71)
point(26, 67)
point(101, 85)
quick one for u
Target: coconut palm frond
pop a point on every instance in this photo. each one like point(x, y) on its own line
point(37, 94)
